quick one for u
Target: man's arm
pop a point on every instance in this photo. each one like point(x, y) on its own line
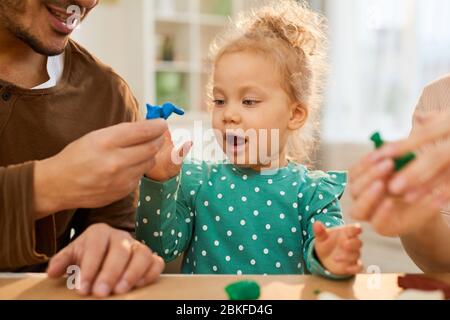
point(17, 221)
point(92, 172)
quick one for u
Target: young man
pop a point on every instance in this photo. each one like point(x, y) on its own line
point(71, 154)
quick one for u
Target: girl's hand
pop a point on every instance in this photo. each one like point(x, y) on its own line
point(168, 161)
point(338, 249)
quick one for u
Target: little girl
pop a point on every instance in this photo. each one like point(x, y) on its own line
point(254, 216)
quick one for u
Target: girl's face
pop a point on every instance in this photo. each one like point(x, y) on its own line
point(253, 115)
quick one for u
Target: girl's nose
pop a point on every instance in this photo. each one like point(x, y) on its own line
point(231, 114)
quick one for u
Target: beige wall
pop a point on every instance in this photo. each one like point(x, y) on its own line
point(113, 33)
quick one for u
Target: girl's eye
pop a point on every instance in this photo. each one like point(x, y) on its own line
point(219, 102)
point(250, 102)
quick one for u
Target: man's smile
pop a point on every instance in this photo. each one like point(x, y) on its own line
point(59, 19)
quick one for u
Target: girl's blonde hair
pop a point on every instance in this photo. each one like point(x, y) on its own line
point(294, 37)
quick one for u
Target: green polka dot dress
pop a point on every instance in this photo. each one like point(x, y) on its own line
point(229, 220)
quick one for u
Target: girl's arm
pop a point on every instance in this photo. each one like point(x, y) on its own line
point(429, 246)
point(164, 217)
point(321, 204)
point(165, 214)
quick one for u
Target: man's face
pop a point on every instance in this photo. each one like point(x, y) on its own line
point(44, 25)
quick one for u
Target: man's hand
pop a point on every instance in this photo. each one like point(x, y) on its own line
point(338, 249)
point(110, 260)
point(168, 161)
point(389, 215)
point(98, 169)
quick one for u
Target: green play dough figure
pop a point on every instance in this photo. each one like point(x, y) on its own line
point(243, 290)
point(400, 163)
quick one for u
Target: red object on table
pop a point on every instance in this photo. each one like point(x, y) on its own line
point(423, 283)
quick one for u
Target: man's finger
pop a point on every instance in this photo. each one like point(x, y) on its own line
point(142, 152)
point(129, 134)
point(153, 273)
point(117, 259)
point(92, 259)
point(59, 263)
point(140, 264)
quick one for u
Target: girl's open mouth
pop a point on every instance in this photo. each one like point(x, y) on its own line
point(235, 143)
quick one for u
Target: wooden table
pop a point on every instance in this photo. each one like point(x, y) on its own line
point(186, 287)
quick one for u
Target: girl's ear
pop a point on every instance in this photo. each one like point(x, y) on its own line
point(299, 114)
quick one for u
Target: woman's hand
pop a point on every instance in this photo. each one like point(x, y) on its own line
point(430, 172)
point(390, 215)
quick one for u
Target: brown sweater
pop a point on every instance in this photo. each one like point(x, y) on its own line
point(37, 124)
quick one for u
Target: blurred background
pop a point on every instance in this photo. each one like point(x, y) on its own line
point(383, 52)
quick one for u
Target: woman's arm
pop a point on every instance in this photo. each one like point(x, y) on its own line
point(429, 246)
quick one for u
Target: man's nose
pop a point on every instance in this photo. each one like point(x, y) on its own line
point(87, 4)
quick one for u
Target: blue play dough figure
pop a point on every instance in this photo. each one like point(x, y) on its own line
point(163, 112)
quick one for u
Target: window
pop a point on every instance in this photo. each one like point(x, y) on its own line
point(383, 53)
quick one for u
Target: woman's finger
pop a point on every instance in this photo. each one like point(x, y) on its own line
point(363, 166)
point(431, 133)
point(367, 203)
point(379, 171)
point(441, 184)
point(425, 169)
